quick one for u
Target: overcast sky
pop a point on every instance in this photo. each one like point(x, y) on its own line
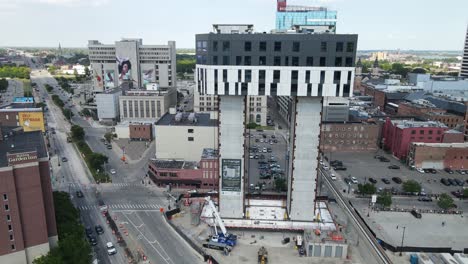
point(381, 24)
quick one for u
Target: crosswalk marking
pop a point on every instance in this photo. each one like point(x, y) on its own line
point(120, 207)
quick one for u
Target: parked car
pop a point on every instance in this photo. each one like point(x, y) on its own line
point(64, 159)
point(424, 199)
point(458, 182)
point(336, 163)
point(448, 170)
point(394, 167)
point(378, 157)
point(339, 168)
point(109, 146)
point(416, 214)
point(386, 181)
point(325, 167)
point(457, 194)
point(397, 180)
point(347, 180)
point(452, 182)
point(445, 182)
point(354, 180)
point(372, 180)
point(419, 170)
point(384, 159)
point(112, 171)
point(333, 177)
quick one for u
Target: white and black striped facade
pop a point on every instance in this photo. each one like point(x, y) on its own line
point(276, 64)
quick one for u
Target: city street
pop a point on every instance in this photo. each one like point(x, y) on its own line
point(127, 196)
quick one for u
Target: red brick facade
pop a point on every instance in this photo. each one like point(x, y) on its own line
point(449, 120)
point(439, 156)
point(141, 131)
point(349, 137)
point(379, 96)
point(203, 176)
point(398, 136)
point(30, 206)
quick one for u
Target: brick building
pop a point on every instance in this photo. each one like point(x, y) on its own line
point(25, 115)
point(27, 217)
point(448, 119)
point(349, 137)
point(412, 109)
point(439, 155)
point(466, 121)
point(186, 174)
point(141, 131)
point(398, 134)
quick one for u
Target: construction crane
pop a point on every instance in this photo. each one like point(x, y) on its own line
point(222, 237)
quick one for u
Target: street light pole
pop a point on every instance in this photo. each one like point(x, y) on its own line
point(402, 239)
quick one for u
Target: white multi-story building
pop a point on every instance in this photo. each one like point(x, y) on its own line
point(146, 105)
point(129, 61)
point(464, 66)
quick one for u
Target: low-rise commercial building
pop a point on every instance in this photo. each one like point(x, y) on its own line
point(146, 105)
point(414, 109)
point(398, 134)
point(183, 136)
point(27, 216)
point(439, 155)
point(350, 137)
point(186, 174)
point(450, 120)
point(141, 131)
point(25, 115)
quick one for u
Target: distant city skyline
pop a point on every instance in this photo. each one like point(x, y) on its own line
point(381, 25)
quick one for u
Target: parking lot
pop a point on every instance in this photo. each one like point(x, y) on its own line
point(364, 166)
point(267, 158)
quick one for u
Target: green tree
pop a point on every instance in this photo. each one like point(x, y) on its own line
point(77, 132)
point(367, 188)
point(252, 125)
point(87, 71)
point(445, 201)
point(96, 160)
point(67, 113)
point(108, 136)
point(465, 193)
point(385, 199)
point(419, 70)
point(280, 185)
point(3, 85)
point(411, 186)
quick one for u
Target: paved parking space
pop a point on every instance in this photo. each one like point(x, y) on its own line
point(364, 165)
point(278, 150)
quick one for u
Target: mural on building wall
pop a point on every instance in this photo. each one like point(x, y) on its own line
point(109, 79)
point(125, 69)
point(147, 76)
point(231, 175)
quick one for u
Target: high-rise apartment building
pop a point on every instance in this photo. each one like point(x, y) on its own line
point(129, 61)
point(27, 216)
point(464, 67)
point(315, 19)
point(234, 62)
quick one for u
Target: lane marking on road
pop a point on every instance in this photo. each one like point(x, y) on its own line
point(167, 260)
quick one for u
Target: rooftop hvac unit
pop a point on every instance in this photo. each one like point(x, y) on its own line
point(191, 117)
point(178, 117)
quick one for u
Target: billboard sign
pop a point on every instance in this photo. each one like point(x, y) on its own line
point(125, 69)
point(23, 100)
point(231, 175)
point(109, 79)
point(31, 121)
point(147, 76)
point(19, 158)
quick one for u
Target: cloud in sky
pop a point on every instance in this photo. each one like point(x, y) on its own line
point(9, 5)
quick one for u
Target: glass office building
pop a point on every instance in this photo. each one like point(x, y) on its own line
point(304, 16)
